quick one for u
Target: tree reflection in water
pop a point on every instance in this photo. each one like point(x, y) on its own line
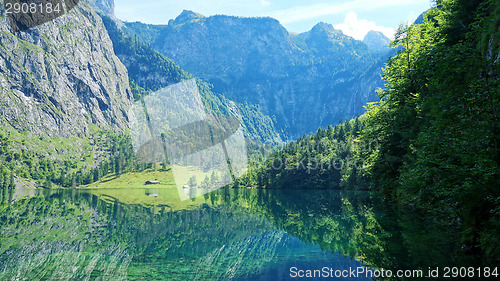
point(233, 235)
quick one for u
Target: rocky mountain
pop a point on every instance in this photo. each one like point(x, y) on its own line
point(305, 81)
point(106, 7)
point(66, 85)
point(376, 41)
point(150, 71)
point(58, 78)
point(66, 90)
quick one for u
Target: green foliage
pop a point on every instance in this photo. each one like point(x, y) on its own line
point(432, 141)
point(62, 162)
point(192, 181)
point(329, 159)
point(437, 121)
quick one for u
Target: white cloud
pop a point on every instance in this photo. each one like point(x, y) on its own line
point(357, 28)
point(265, 2)
point(301, 13)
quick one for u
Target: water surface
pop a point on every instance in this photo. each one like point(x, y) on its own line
point(225, 235)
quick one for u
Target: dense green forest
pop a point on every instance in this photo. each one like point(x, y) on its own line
point(58, 162)
point(437, 122)
point(432, 141)
point(329, 159)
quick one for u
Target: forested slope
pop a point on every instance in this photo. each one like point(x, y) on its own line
point(329, 159)
point(432, 140)
point(437, 122)
point(66, 88)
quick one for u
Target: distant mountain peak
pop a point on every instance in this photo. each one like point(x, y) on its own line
point(323, 26)
point(375, 34)
point(305, 80)
point(187, 16)
point(325, 31)
point(376, 41)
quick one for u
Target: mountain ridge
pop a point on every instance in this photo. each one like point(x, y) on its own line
point(376, 41)
point(66, 94)
point(185, 17)
point(306, 80)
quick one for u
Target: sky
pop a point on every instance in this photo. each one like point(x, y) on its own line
point(354, 17)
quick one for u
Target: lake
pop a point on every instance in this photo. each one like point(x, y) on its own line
point(229, 234)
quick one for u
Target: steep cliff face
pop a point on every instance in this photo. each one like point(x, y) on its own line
point(107, 7)
point(66, 88)
point(306, 80)
point(58, 78)
point(226, 47)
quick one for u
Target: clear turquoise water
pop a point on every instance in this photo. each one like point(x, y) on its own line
point(228, 235)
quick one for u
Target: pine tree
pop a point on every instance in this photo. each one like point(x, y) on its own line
point(117, 166)
point(47, 183)
point(12, 184)
point(2, 184)
point(96, 174)
point(5, 181)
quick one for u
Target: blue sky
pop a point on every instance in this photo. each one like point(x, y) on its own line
point(353, 17)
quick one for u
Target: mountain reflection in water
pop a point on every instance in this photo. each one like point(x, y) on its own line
point(225, 235)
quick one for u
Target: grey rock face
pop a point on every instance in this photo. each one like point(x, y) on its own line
point(306, 80)
point(226, 45)
point(58, 78)
point(105, 6)
point(376, 41)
